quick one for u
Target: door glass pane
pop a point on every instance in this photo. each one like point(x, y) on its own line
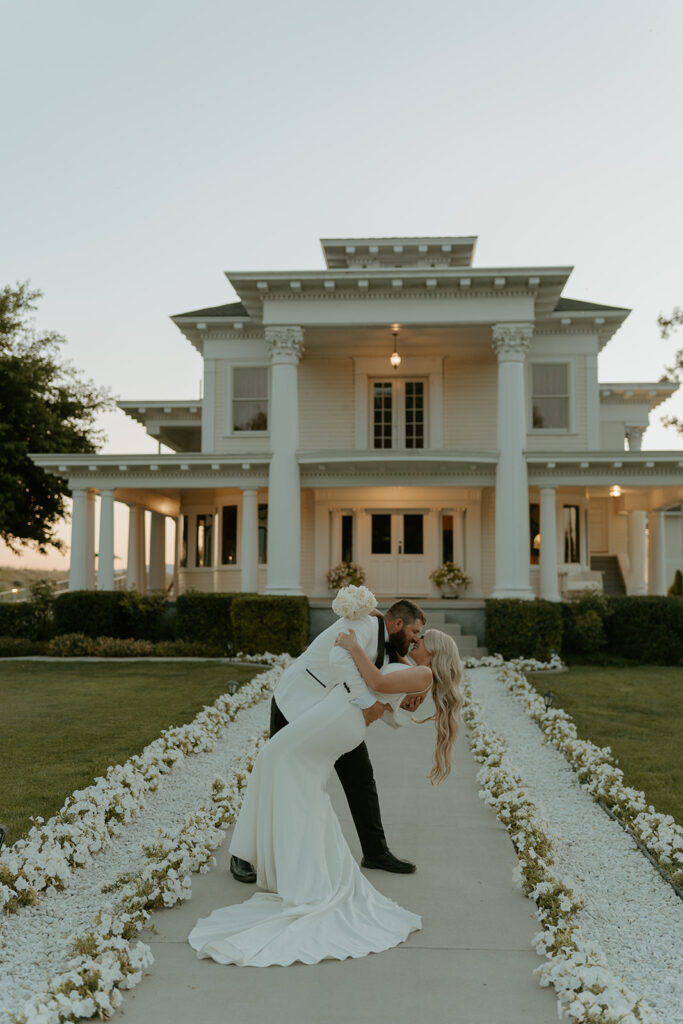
point(534, 532)
point(381, 534)
point(347, 538)
point(262, 534)
point(183, 547)
point(415, 427)
point(447, 539)
point(204, 538)
point(571, 533)
point(229, 535)
point(413, 540)
point(382, 413)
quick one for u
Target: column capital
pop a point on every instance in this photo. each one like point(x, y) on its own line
point(634, 436)
point(511, 341)
point(285, 344)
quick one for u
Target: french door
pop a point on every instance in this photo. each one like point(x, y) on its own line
point(396, 559)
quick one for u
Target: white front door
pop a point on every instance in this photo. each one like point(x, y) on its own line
point(395, 553)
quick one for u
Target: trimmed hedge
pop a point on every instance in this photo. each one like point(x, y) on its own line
point(523, 629)
point(270, 623)
point(16, 620)
point(205, 618)
point(584, 618)
point(646, 629)
point(115, 613)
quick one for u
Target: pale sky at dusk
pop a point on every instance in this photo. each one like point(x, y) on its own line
point(148, 147)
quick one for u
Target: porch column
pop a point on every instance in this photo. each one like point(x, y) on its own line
point(90, 540)
point(285, 345)
point(459, 537)
point(549, 589)
point(135, 572)
point(105, 561)
point(157, 553)
point(79, 535)
point(634, 437)
point(249, 554)
point(335, 533)
point(658, 583)
point(637, 521)
point(511, 342)
point(176, 554)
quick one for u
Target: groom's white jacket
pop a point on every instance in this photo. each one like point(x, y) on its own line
point(323, 666)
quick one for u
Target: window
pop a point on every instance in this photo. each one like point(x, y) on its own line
point(347, 538)
point(263, 534)
point(572, 539)
point(413, 534)
point(183, 543)
point(229, 535)
point(398, 413)
point(550, 396)
point(204, 540)
point(381, 534)
point(250, 398)
point(447, 539)
point(534, 532)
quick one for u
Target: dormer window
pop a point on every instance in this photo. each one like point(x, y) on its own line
point(550, 396)
point(250, 398)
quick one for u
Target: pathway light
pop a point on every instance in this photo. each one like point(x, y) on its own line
point(548, 698)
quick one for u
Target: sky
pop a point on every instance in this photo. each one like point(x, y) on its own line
point(151, 146)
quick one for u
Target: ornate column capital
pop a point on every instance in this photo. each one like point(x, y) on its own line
point(285, 344)
point(634, 436)
point(511, 341)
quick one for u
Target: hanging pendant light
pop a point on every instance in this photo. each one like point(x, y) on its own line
point(395, 358)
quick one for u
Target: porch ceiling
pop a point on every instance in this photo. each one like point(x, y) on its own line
point(468, 343)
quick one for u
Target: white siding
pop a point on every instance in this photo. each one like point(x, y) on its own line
point(488, 540)
point(326, 404)
point(470, 402)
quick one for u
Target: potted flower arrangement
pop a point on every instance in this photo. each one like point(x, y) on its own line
point(345, 573)
point(450, 579)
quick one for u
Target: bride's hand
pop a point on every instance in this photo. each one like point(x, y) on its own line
point(346, 640)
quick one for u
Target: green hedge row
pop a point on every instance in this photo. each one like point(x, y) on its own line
point(124, 614)
point(648, 630)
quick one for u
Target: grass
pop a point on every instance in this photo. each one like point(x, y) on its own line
point(64, 724)
point(637, 711)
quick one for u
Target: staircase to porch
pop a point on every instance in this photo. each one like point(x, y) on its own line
point(468, 645)
point(612, 580)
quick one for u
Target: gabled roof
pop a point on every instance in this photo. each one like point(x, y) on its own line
point(565, 305)
point(230, 309)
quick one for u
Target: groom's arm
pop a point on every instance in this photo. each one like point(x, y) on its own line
point(344, 666)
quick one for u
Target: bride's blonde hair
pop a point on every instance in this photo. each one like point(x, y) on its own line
point(447, 697)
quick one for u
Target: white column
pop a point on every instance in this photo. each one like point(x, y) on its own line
point(90, 540)
point(335, 534)
point(249, 553)
point(135, 572)
point(634, 437)
point(209, 406)
point(637, 521)
point(176, 554)
point(77, 562)
point(658, 583)
point(142, 553)
point(105, 561)
point(459, 537)
point(285, 345)
point(511, 342)
point(549, 589)
point(157, 553)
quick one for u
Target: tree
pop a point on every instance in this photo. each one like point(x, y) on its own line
point(45, 406)
point(667, 326)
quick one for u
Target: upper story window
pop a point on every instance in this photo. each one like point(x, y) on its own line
point(550, 396)
point(398, 413)
point(250, 398)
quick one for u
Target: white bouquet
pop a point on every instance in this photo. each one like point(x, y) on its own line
point(354, 602)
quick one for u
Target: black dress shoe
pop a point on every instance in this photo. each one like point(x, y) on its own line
point(242, 870)
point(387, 862)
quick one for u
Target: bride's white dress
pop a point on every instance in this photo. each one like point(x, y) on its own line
point(318, 905)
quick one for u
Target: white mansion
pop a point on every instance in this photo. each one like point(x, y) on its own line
point(487, 439)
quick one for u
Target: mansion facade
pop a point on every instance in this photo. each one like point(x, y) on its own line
point(397, 408)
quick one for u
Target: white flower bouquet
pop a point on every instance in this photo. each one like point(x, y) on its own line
point(354, 602)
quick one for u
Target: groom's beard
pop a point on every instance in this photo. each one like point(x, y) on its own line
point(399, 642)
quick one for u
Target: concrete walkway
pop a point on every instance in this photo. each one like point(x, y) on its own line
point(471, 964)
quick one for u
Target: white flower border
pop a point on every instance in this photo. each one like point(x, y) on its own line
point(586, 989)
point(91, 817)
point(598, 773)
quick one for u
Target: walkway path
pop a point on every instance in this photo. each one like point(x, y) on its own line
point(471, 964)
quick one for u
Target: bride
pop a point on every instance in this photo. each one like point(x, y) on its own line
point(317, 904)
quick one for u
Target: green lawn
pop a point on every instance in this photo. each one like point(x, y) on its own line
point(638, 712)
point(63, 724)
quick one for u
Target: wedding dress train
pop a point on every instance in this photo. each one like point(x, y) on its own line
point(318, 905)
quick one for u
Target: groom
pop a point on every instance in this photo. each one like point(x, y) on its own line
point(309, 679)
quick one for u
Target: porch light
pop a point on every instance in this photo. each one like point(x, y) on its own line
point(615, 492)
point(548, 698)
point(395, 358)
point(232, 687)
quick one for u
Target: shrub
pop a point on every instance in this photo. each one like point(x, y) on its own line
point(676, 588)
point(77, 645)
point(20, 647)
point(528, 629)
point(16, 620)
point(646, 629)
point(584, 623)
point(205, 619)
point(112, 613)
point(270, 623)
point(142, 615)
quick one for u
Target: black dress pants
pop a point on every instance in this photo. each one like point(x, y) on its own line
point(355, 773)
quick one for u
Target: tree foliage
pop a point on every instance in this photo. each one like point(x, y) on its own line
point(667, 326)
point(46, 406)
